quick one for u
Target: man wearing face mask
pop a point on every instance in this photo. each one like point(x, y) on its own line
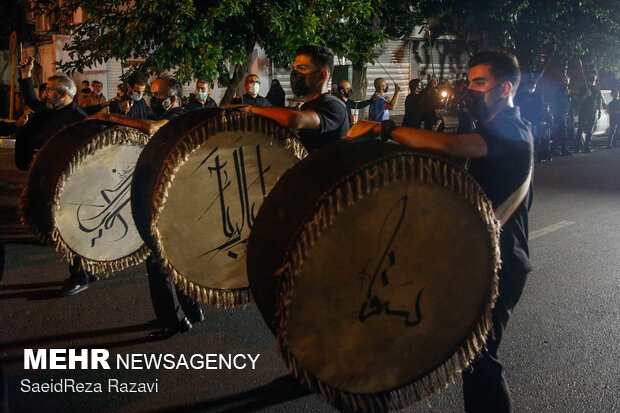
point(174, 311)
point(251, 96)
point(202, 98)
point(380, 107)
point(501, 149)
point(57, 110)
point(166, 93)
point(344, 93)
point(322, 119)
point(132, 104)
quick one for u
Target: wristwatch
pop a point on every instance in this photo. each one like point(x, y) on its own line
point(387, 126)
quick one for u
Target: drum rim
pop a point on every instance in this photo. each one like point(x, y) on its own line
point(116, 134)
point(194, 138)
point(318, 220)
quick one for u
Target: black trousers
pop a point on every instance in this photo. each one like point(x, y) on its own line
point(170, 305)
point(614, 128)
point(485, 389)
point(587, 124)
point(77, 274)
point(559, 132)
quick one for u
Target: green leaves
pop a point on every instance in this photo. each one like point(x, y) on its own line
point(588, 28)
point(203, 38)
point(206, 38)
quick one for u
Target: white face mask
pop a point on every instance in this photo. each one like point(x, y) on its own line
point(254, 89)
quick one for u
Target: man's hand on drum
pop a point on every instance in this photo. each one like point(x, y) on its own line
point(100, 115)
point(242, 108)
point(364, 128)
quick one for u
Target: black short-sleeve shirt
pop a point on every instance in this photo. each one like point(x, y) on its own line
point(501, 172)
point(195, 104)
point(139, 110)
point(248, 99)
point(334, 121)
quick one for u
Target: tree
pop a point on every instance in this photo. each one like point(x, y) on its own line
point(563, 29)
point(356, 36)
point(202, 38)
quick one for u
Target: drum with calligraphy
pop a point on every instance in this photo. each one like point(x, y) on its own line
point(198, 187)
point(78, 190)
point(381, 275)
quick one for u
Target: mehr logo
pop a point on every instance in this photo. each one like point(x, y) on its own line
point(63, 359)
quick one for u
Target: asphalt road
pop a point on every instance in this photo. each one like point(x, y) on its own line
point(560, 350)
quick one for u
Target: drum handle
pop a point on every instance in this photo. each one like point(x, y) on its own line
point(509, 206)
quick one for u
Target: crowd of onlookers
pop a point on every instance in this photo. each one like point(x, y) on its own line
point(566, 114)
point(563, 113)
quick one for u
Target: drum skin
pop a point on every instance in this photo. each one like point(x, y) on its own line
point(376, 266)
point(198, 186)
point(77, 195)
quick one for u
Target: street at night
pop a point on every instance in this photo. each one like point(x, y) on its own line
point(358, 206)
point(560, 348)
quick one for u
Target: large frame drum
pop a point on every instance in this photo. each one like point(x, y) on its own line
point(198, 186)
point(77, 195)
point(376, 266)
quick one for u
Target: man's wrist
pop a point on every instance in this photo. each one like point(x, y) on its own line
point(386, 128)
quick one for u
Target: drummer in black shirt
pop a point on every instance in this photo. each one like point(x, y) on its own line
point(323, 117)
point(57, 110)
point(501, 149)
point(165, 104)
point(132, 104)
point(173, 309)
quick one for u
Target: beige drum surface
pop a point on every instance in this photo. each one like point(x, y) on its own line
point(212, 202)
point(376, 267)
point(78, 195)
point(390, 288)
point(93, 214)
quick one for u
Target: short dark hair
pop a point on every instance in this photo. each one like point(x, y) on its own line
point(502, 64)
point(321, 56)
point(85, 81)
point(203, 81)
point(250, 75)
point(42, 87)
point(414, 83)
point(137, 78)
point(96, 82)
point(175, 88)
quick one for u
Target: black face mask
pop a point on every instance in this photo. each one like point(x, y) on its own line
point(345, 93)
point(160, 106)
point(387, 89)
point(474, 101)
point(298, 83)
